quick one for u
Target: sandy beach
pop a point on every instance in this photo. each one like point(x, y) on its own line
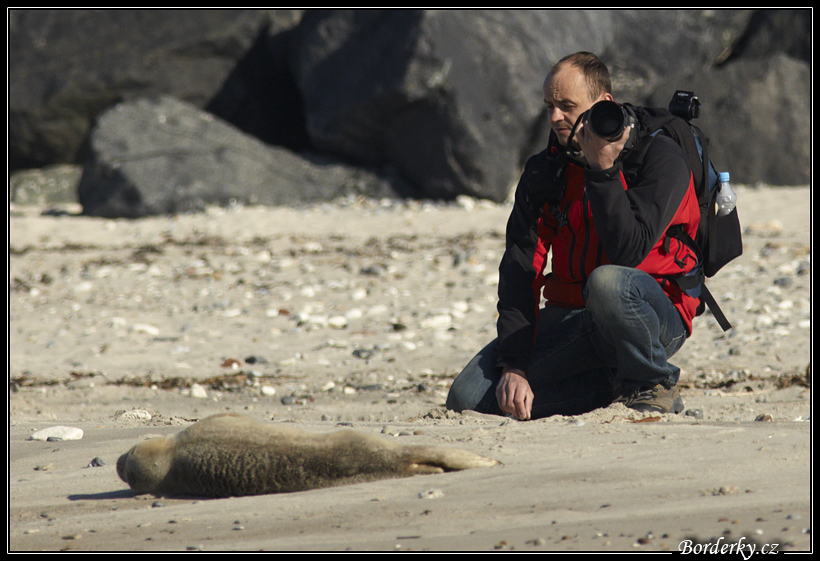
point(360, 314)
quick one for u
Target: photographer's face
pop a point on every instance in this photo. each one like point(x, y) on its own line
point(567, 97)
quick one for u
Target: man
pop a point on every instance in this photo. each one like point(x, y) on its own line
point(610, 320)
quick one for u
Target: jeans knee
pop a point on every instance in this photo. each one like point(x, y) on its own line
point(605, 284)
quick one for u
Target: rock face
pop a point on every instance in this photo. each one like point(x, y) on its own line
point(421, 103)
point(161, 156)
point(67, 66)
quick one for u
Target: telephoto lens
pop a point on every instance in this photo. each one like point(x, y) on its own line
point(608, 120)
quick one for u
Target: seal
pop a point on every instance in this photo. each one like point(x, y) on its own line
point(232, 455)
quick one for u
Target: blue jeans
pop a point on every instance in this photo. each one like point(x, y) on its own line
point(623, 337)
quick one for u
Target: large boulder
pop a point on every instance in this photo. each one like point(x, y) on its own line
point(449, 97)
point(67, 66)
point(756, 99)
point(161, 155)
point(651, 46)
point(757, 114)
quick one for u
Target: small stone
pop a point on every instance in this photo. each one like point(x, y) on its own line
point(363, 353)
point(58, 433)
point(373, 270)
point(96, 462)
point(135, 415)
point(253, 359)
point(784, 282)
point(337, 322)
point(726, 490)
point(267, 391)
point(431, 494)
point(696, 413)
point(198, 391)
point(145, 328)
point(764, 418)
point(436, 322)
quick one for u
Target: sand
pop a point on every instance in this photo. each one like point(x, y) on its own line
point(360, 314)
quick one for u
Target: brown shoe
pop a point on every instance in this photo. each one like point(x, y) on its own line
point(656, 399)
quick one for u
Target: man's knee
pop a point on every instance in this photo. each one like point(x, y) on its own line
point(607, 282)
point(470, 386)
point(456, 400)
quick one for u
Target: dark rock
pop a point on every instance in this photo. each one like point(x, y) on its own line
point(648, 47)
point(756, 112)
point(161, 156)
point(66, 66)
point(775, 31)
point(449, 97)
point(260, 97)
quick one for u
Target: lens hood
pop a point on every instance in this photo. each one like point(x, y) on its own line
point(608, 120)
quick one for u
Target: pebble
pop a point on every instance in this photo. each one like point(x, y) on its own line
point(96, 462)
point(198, 391)
point(58, 433)
point(364, 353)
point(145, 328)
point(337, 322)
point(431, 494)
point(135, 415)
point(255, 359)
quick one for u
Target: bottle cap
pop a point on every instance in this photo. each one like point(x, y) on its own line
point(724, 176)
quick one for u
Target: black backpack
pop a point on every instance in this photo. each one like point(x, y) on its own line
point(718, 240)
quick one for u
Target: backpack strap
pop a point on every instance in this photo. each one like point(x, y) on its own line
point(711, 212)
point(707, 298)
point(694, 283)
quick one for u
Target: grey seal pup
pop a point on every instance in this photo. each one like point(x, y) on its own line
point(234, 455)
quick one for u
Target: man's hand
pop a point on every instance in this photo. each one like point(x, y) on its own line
point(514, 394)
point(600, 153)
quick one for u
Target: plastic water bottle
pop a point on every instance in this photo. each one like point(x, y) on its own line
point(726, 197)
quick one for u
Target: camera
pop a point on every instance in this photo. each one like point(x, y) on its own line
point(685, 105)
point(608, 120)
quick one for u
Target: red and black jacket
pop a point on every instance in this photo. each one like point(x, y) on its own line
point(598, 220)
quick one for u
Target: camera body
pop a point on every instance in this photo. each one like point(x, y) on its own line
point(685, 105)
